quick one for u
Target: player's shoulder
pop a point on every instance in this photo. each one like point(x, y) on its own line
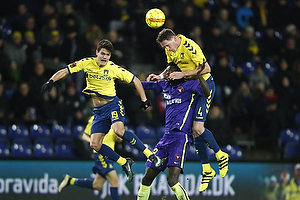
point(87, 59)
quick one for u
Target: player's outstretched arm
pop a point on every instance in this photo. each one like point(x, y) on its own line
point(139, 87)
point(57, 76)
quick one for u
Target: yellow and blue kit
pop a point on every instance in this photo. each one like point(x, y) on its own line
point(100, 81)
point(102, 164)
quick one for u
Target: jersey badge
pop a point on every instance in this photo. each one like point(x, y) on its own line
point(180, 89)
point(177, 157)
point(182, 56)
point(73, 64)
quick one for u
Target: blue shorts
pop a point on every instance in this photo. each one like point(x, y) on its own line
point(172, 148)
point(106, 115)
point(102, 165)
point(203, 103)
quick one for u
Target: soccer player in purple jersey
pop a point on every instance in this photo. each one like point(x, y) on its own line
point(180, 97)
point(188, 55)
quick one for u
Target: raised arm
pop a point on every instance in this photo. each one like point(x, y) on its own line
point(179, 75)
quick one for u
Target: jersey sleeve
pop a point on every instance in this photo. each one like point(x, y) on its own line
point(152, 86)
point(123, 74)
point(75, 66)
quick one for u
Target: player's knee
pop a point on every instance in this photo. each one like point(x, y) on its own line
point(114, 183)
point(97, 186)
point(119, 132)
point(94, 145)
point(172, 181)
point(198, 130)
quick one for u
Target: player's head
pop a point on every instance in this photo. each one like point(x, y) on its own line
point(105, 44)
point(172, 67)
point(168, 39)
point(104, 51)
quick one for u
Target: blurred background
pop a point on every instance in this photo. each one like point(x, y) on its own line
point(252, 47)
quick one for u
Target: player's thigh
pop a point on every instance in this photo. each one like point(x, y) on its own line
point(98, 182)
point(112, 178)
point(149, 176)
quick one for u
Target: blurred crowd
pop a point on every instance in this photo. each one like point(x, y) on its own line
point(252, 46)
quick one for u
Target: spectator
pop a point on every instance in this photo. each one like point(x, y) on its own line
point(286, 104)
point(214, 44)
point(222, 21)
point(36, 79)
point(270, 45)
point(51, 53)
point(250, 45)
point(206, 21)
point(240, 109)
point(232, 44)
point(120, 54)
point(289, 51)
point(73, 106)
point(33, 54)
point(261, 15)
point(258, 76)
point(284, 70)
point(280, 15)
point(17, 20)
point(119, 16)
point(4, 105)
point(222, 132)
point(188, 19)
point(68, 21)
point(224, 78)
point(16, 50)
point(46, 31)
point(12, 75)
point(52, 107)
point(244, 14)
point(225, 4)
point(23, 106)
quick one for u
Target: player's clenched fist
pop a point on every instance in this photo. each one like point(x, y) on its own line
point(46, 87)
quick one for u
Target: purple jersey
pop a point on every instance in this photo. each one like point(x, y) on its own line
point(180, 103)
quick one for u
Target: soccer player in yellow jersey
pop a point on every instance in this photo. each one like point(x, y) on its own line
point(188, 55)
point(103, 167)
point(100, 74)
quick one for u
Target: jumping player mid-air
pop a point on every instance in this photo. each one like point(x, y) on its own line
point(100, 74)
point(188, 56)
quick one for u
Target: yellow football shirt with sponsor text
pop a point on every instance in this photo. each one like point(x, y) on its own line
point(100, 81)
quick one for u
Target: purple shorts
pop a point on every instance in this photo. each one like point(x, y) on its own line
point(172, 149)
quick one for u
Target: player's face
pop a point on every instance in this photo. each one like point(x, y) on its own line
point(103, 57)
point(170, 45)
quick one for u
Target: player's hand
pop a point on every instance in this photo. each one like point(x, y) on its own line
point(145, 104)
point(46, 87)
point(201, 67)
point(176, 75)
point(153, 77)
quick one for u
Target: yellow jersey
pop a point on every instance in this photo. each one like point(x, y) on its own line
point(100, 81)
point(109, 138)
point(187, 56)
